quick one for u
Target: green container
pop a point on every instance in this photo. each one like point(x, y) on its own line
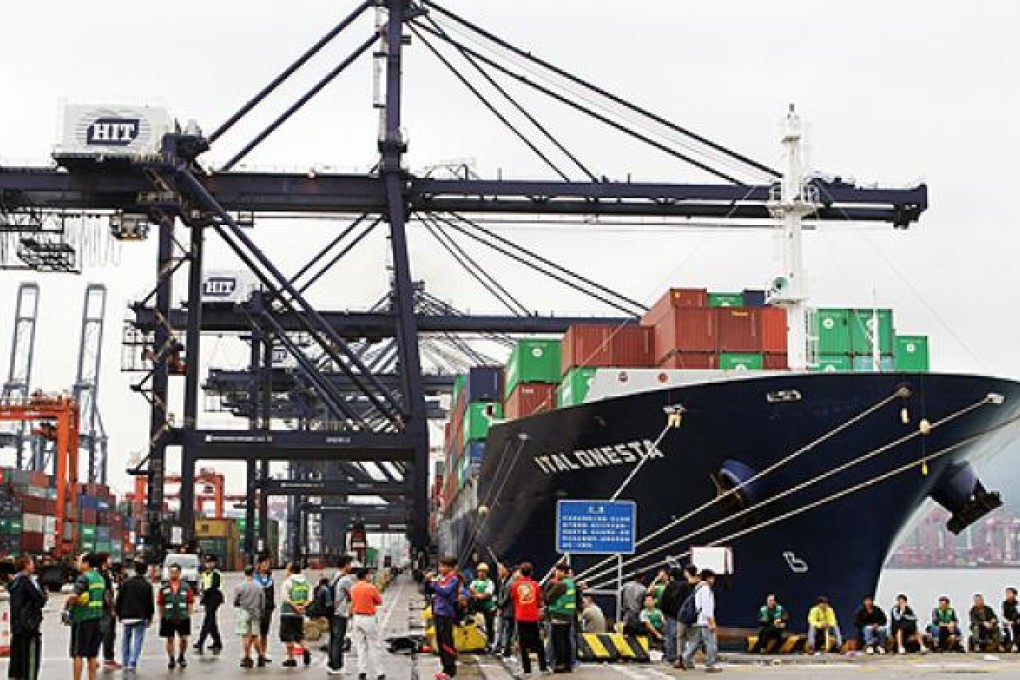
point(458, 386)
point(16, 525)
point(478, 417)
point(862, 322)
point(886, 364)
point(725, 299)
point(533, 361)
point(912, 353)
point(831, 363)
point(574, 387)
point(738, 361)
point(87, 532)
point(832, 328)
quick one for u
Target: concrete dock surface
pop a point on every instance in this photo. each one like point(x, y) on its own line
point(401, 614)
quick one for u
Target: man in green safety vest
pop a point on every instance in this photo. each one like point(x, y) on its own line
point(297, 595)
point(561, 594)
point(483, 600)
point(175, 603)
point(212, 598)
point(85, 609)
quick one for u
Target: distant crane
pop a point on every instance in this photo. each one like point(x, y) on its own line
point(19, 375)
point(86, 384)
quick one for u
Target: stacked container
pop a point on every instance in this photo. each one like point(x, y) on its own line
point(911, 353)
point(532, 375)
point(845, 340)
point(220, 537)
point(477, 397)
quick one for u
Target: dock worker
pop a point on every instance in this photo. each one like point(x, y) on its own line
point(483, 601)
point(135, 608)
point(984, 626)
point(176, 603)
point(297, 595)
point(560, 594)
point(823, 628)
point(86, 613)
point(527, 599)
point(444, 588)
point(772, 620)
point(945, 626)
point(365, 601)
point(1011, 619)
point(903, 626)
point(212, 598)
point(871, 621)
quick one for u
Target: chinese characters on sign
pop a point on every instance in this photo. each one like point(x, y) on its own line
point(596, 527)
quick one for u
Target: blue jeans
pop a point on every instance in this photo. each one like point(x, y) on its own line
point(132, 641)
point(874, 636)
point(698, 636)
point(669, 641)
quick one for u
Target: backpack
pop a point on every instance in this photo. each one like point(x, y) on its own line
point(322, 603)
point(688, 613)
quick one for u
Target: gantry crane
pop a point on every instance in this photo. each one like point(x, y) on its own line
point(19, 373)
point(86, 384)
point(56, 420)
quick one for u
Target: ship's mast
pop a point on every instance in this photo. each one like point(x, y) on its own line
point(794, 201)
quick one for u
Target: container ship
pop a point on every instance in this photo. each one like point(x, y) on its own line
point(808, 476)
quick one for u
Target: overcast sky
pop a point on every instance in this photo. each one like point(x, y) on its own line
point(894, 93)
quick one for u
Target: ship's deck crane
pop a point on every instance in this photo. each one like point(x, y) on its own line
point(56, 419)
point(19, 374)
point(174, 186)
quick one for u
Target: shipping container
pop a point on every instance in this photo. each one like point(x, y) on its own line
point(574, 387)
point(835, 362)
point(215, 528)
point(832, 328)
point(484, 383)
point(912, 353)
point(772, 330)
point(675, 298)
point(533, 361)
point(690, 360)
point(686, 330)
point(479, 418)
point(529, 399)
point(776, 362)
point(33, 543)
point(736, 361)
point(474, 452)
point(886, 364)
point(738, 330)
point(862, 330)
point(754, 298)
point(725, 299)
point(605, 345)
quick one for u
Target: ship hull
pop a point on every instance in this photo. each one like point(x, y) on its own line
point(835, 549)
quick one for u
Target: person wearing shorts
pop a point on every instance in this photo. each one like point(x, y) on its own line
point(85, 609)
point(249, 601)
point(297, 595)
point(175, 604)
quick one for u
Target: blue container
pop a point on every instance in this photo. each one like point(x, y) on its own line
point(475, 451)
point(754, 298)
point(484, 383)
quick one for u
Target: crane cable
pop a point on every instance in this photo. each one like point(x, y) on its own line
point(901, 392)
point(923, 461)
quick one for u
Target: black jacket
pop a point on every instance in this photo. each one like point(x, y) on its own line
point(1010, 612)
point(26, 602)
point(874, 618)
point(135, 600)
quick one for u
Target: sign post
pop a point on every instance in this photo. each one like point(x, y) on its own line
point(598, 527)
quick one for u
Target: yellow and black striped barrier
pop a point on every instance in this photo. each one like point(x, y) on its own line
point(790, 644)
point(612, 647)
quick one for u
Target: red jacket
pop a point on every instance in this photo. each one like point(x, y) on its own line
point(527, 598)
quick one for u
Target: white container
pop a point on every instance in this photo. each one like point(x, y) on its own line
point(618, 382)
point(124, 131)
point(32, 524)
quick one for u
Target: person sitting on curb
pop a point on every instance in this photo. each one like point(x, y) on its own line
point(870, 620)
point(823, 628)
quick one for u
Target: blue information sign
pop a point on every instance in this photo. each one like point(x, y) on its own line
point(596, 527)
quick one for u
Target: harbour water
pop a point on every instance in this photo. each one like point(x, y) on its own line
point(924, 586)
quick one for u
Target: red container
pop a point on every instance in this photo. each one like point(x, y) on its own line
point(31, 542)
point(88, 516)
point(738, 329)
point(776, 362)
point(33, 505)
point(686, 330)
point(690, 360)
point(675, 298)
point(605, 345)
point(772, 330)
point(528, 399)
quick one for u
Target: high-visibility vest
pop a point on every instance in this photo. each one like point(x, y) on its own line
point(207, 578)
point(175, 605)
point(90, 603)
point(566, 604)
point(946, 616)
point(300, 592)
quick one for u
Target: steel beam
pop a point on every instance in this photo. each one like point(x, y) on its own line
point(192, 378)
point(333, 487)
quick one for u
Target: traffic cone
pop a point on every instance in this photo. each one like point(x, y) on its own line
point(5, 634)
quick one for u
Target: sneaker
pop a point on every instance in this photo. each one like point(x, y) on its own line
point(247, 663)
point(261, 663)
point(817, 653)
point(171, 663)
point(198, 649)
point(334, 671)
point(381, 676)
point(881, 650)
point(216, 649)
point(869, 650)
point(182, 662)
point(441, 676)
point(901, 650)
point(290, 663)
point(112, 665)
point(924, 650)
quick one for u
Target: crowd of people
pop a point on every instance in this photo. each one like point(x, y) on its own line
point(104, 595)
